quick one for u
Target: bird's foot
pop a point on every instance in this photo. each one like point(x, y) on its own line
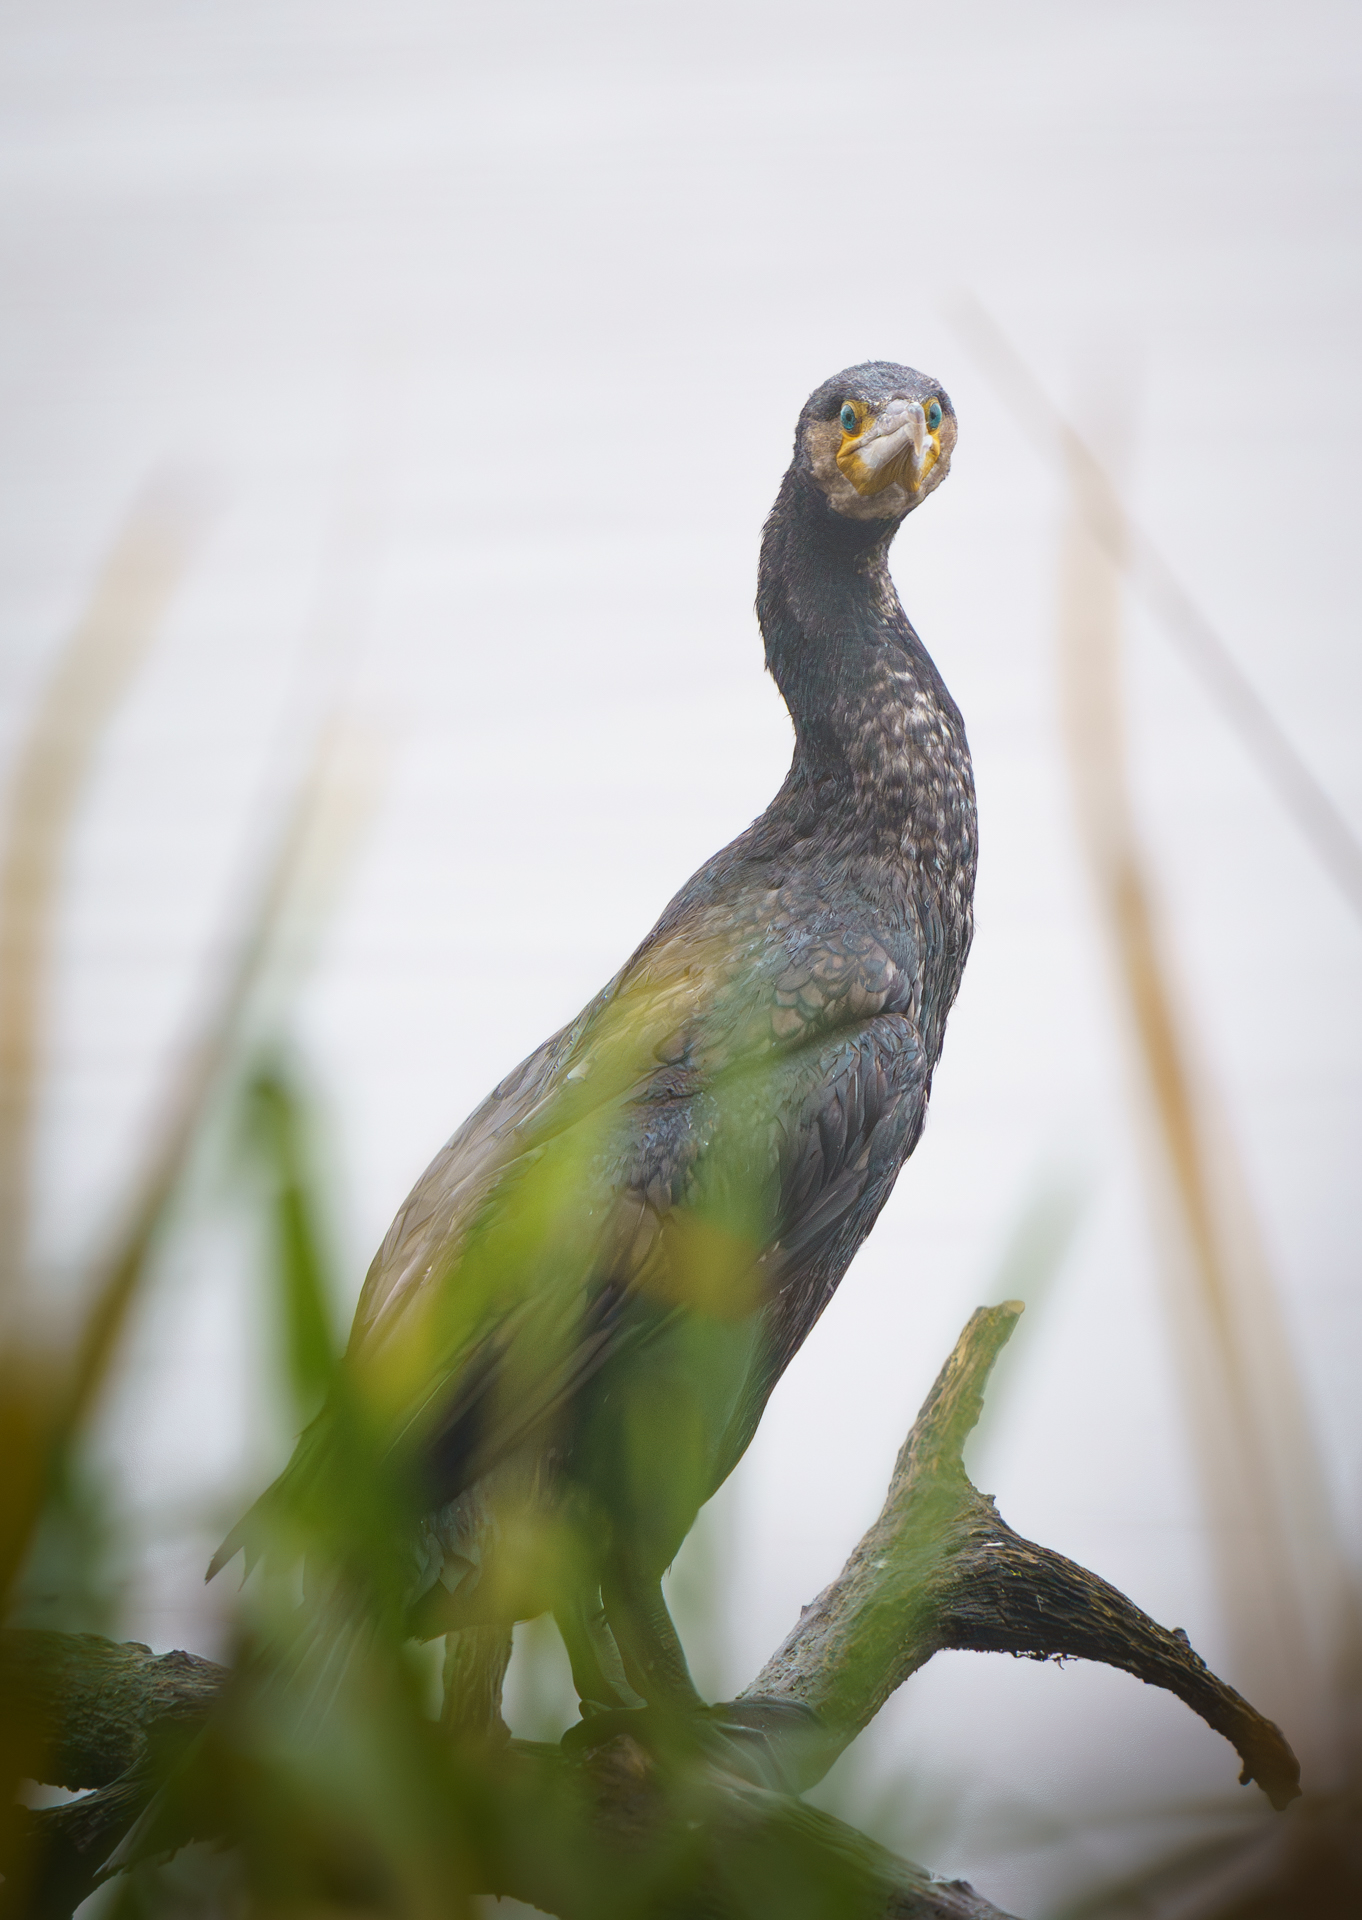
point(763, 1740)
point(660, 1731)
point(771, 1739)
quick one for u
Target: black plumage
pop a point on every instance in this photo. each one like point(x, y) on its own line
point(577, 1317)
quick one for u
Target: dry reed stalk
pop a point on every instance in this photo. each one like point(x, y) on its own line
point(94, 672)
point(1277, 1560)
point(1132, 552)
point(49, 1374)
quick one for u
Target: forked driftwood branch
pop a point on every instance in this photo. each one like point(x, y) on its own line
point(938, 1569)
point(82, 1712)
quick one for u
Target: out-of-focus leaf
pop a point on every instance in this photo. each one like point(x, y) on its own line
point(66, 1578)
point(94, 671)
point(46, 1384)
point(276, 1129)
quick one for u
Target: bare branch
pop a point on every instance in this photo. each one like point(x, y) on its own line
point(81, 1711)
point(940, 1569)
point(84, 1707)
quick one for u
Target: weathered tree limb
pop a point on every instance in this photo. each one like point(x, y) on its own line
point(81, 1711)
point(724, 1847)
point(475, 1666)
point(938, 1569)
point(85, 1706)
point(109, 1704)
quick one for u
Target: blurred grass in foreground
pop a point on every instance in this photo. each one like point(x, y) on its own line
point(346, 1791)
point(326, 1758)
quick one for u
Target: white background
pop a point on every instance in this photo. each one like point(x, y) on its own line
point(488, 327)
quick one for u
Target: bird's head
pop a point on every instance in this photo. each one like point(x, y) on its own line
point(876, 439)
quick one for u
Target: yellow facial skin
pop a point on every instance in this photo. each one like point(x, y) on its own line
point(894, 446)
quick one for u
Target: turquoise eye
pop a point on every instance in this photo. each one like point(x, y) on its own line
point(934, 415)
point(848, 418)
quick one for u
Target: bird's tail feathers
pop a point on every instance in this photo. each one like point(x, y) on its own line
point(248, 1536)
point(271, 1530)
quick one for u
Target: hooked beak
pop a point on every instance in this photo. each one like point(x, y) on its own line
point(895, 445)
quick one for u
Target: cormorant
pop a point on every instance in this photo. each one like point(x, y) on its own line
point(575, 1321)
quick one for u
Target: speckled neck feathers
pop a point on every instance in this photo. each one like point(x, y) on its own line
point(881, 764)
point(877, 735)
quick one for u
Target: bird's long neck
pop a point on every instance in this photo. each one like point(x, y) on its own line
point(880, 752)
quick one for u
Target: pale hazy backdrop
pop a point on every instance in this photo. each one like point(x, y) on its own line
point(483, 330)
